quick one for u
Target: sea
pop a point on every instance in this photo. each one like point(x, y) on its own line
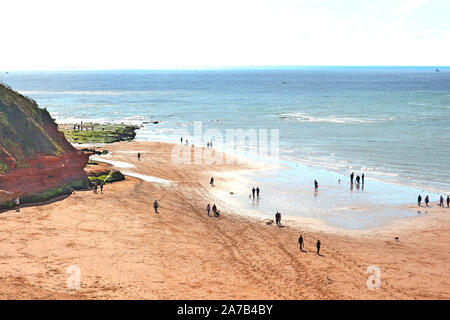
point(390, 123)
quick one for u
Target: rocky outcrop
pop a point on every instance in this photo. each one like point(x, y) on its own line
point(34, 156)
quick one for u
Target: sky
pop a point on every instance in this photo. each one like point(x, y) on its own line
point(179, 34)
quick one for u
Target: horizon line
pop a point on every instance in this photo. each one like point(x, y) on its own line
point(200, 68)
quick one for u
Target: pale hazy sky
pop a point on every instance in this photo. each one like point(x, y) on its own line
point(97, 34)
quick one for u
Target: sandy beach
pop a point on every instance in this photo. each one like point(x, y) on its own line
point(126, 251)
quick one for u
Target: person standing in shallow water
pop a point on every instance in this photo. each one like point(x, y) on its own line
point(253, 192)
point(357, 179)
point(419, 200)
point(362, 178)
point(318, 247)
point(351, 177)
point(316, 185)
point(257, 192)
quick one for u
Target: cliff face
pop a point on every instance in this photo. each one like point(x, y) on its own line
point(34, 155)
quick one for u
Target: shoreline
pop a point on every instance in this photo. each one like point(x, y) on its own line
point(315, 224)
point(126, 251)
point(289, 161)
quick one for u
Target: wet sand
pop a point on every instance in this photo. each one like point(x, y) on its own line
point(126, 251)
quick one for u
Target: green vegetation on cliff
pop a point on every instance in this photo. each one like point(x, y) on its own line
point(99, 133)
point(41, 197)
point(25, 130)
point(110, 177)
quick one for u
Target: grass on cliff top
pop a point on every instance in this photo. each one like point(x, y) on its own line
point(25, 130)
point(99, 133)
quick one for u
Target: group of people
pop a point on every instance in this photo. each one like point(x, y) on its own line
point(441, 201)
point(358, 179)
point(427, 201)
point(278, 219)
point(255, 191)
point(209, 145)
point(215, 212)
point(181, 140)
point(300, 242)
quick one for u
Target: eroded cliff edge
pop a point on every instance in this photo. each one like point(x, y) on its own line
point(36, 160)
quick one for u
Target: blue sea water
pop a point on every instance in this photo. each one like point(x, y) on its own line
point(392, 123)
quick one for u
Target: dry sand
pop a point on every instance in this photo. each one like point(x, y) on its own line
point(126, 251)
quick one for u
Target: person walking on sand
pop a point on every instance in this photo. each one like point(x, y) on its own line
point(278, 219)
point(95, 188)
point(208, 209)
point(351, 177)
point(419, 200)
point(316, 185)
point(441, 201)
point(300, 242)
point(257, 192)
point(427, 200)
point(318, 247)
point(211, 182)
point(214, 210)
point(101, 187)
point(253, 192)
point(155, 206)
point(17, 202)
point(139, 156)
point(181, 140)
point(448, 201)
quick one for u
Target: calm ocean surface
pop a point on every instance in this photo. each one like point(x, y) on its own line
point(392, 123)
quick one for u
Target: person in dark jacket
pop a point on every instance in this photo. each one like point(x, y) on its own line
point(300, 242)
point(318, 247)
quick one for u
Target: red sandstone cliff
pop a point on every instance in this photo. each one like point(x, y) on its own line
point(34, 155)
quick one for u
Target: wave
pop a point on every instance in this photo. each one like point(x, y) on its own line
point(301, 117)
point(100, 93)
